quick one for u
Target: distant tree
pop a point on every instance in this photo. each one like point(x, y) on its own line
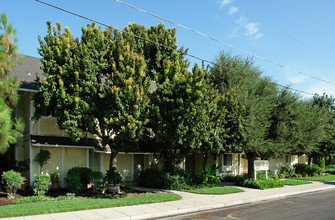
point(326, 148)
point(256, 94)
point(95, 84)
point(10, 127)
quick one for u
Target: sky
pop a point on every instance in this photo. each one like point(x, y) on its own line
point(296, 34)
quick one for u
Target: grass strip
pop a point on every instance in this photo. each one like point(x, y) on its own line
point(216, 190)
point(329, 177)
point(47, 207)
point(295, 182)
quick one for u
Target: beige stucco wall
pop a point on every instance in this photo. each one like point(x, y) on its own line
point(74, 157)
point(244, 165)
point(23, 109)
point(48, 126)
point(54, 164)
point(124, 162)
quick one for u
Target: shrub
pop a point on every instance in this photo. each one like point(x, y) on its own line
point(77, 177)
point(113, 176)
point(308, 170)
point(153, 178)
point(262, 183)
point(180, 180)
point(12, 181)
point(55, 177)
point(209, 173)
point(73, 183)
point(238, 180)
point(42, 157)
point(320, 161)
point(286, 171)
point(41, 184)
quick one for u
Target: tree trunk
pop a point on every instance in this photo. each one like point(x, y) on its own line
point(113, 159)
point(251, 169)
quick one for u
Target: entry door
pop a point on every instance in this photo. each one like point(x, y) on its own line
point(138, 164)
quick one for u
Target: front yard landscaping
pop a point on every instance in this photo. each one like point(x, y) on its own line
point(67, 205)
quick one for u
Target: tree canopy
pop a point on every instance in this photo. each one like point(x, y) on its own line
point(10, 126)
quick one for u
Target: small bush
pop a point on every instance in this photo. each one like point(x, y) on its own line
point(263, 184)
point(12, 181)
point(320, 161)
point(180, 180)
point(41, 184)
point(42, 157)
point(113, 176)
point(153, 178)
point(77, 177)
point(286, 171)
point(55, 177)
point(308, 170)
point(238, 180)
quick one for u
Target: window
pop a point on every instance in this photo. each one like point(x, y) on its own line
point(227, 160)
point(287, 159)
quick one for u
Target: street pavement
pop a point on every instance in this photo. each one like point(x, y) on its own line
point(189, 203)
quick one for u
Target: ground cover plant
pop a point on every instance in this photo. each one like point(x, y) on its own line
point(326, 178)
point(216, 190)
point(295, 182)
point(66, 205)
point(330, 169)
point(261, 183)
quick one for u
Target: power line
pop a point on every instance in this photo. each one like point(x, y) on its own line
point(167, 47)
point(221, 42)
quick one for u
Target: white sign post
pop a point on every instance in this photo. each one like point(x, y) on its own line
point(261, 165)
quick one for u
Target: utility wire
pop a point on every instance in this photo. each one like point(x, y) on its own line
point(167, 47)
point(221, 42)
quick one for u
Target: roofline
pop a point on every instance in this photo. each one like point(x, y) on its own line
point(27, 90)
point(84, 147)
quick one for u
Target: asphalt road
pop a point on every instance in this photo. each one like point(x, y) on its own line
point(319, 205)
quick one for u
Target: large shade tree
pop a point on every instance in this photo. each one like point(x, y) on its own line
point(96, 84)
point(254, 93)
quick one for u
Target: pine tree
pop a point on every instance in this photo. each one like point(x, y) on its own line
point(10, 127)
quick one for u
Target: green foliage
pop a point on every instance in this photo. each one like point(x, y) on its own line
point(263, 184)
point(95, 84)
point(84, 173)
point(209, 173)
point(41, 184)
point(308, 170)
point(77, 177)
point(320, 161)
point(286, 171)
point(156, 178)
point(10, 127)
point(12, 181)
point(42, 156)
point(113, 176)
point(216, 190)
point(330, 168)
point(55, 177)
point(295, 182)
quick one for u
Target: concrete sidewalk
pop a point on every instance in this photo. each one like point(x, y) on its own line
point(189, 203)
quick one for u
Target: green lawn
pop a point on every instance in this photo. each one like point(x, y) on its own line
point(295, 182)
point(216, 190)
point(47, 207)
point(329, 177)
